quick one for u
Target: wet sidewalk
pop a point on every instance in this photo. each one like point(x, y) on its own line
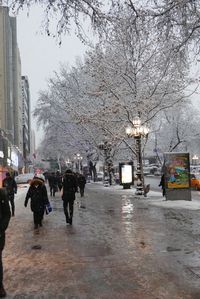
point(118, 247)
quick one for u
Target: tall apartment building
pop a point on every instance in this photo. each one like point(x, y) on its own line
point(33, 145)
point(6, 75)
point(26, 117)
point(10, 93)
point(17, 89)
point(10, 80)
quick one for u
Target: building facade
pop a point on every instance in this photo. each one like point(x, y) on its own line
point(6, 75)
point(26, 123)
point(11, 128)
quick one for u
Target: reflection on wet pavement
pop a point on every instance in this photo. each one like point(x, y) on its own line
point(118, 247)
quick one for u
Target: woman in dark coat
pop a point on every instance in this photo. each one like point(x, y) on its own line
point(37, 192)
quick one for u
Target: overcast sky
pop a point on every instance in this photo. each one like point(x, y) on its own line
point(41, 55)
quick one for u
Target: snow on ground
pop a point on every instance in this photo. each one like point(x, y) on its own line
point(154, 197)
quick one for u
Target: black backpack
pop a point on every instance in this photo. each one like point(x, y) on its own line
point(69, 183)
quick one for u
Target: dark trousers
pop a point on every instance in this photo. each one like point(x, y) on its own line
point(163, 192)
point(68, 206)
point(12, 203)
point(53, 190)
point(82, 191)
point(37, 217)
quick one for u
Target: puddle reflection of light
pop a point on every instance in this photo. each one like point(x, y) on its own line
point(127, 215)
point(127, 208)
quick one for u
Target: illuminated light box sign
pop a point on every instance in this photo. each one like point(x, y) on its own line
point(177, 170)
point(126, 173)
point(1, 154)
point(177, 176)
point(8, 161)
point(14, 158)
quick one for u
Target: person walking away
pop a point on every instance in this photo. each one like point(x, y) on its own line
point(81, 184)
point(50, 181)
point(11, 188)
point(59, 180)
point(70, 187)
point(162, 184)
point(5, 215)
point(37, 192)
point(53, 184)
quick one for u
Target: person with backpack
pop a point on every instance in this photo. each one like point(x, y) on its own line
point(59, 179)
point(69, 189)
point(11, 187)
point(53, 184)
point(37, 192)
point(81, 183)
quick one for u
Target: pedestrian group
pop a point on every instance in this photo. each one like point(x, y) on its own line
point(39, 202)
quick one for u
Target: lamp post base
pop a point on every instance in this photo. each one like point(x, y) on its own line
point(139, 188)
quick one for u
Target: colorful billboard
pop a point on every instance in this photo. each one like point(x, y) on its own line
point(177, 170)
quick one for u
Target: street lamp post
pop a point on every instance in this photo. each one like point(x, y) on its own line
point(106, 148)
point(78, 164)
point(195, 159)
point(138, 131)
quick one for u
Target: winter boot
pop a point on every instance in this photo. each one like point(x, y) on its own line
point(70, 220)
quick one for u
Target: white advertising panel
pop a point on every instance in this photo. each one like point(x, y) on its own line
point(126, 174)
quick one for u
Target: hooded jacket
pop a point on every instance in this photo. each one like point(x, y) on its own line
point(69, 186)
point(37, 192)
point(10, 185)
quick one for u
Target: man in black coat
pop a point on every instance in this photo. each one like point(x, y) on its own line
point(4, 221)
point(70, 187)
point(162, 184)
point(53, 184)
point(11, 188)
point(81, 183)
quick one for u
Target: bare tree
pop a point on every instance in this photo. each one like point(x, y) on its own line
point(177, 128)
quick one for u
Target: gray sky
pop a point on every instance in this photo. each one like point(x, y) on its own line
point(41, 55)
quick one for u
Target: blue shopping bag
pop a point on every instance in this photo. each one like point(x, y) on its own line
point(48, 208)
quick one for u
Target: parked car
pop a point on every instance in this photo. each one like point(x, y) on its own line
point(24, 178)
point(99, 176)
point(195, 181)
point(158, 172)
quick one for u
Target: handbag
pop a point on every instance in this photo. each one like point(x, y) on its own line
point(48, 208)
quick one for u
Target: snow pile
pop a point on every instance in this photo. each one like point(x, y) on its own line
point(153, 198)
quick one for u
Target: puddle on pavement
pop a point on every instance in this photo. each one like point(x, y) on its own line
point(171, 249)
point(110, 211)
point(36, 247)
